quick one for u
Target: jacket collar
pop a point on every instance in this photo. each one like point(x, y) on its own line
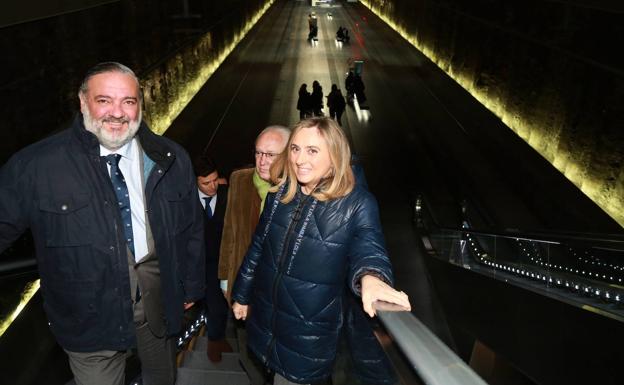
point(153, 145)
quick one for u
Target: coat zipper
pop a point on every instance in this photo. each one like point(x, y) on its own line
point(280, 265)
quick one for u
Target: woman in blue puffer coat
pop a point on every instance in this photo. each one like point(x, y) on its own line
point(317, 229)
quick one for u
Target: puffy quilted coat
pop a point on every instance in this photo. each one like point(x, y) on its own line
point(294, 273)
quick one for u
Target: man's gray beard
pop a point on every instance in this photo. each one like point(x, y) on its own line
point(96, 127)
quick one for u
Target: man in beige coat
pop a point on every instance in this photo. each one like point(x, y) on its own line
point(247, 190)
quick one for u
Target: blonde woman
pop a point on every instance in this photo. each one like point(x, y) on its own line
point(318, 230)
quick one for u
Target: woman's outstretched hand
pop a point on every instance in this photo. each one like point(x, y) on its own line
point(374, 289)
point(240, 311)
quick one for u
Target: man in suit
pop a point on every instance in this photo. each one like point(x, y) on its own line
point(213, 197)
point(117, 231)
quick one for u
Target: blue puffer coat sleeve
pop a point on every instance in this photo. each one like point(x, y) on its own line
point(243, 285)
point(367, 251)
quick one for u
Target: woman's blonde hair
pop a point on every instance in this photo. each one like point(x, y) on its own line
point(339, 183)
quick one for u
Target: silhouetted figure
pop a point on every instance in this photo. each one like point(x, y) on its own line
point(349, 86)
point(303, 103)
point(358, 88)
point(313, 32)
point(336, 103)
point(313, 26)
point(316, 99)
point(342, 35)
point(339, 34)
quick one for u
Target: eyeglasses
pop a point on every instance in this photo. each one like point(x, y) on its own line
point(269, 155)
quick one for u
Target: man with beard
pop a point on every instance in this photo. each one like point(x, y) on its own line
point(118, 232)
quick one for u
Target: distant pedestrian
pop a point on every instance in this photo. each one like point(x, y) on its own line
point(336, 103)
point(303, 103)
point(313, 26)
point(358, 88)
point(349, 86)
point(339, 34)
point(316, 99)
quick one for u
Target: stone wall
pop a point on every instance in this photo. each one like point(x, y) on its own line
point(171, 49)
point(548, 69)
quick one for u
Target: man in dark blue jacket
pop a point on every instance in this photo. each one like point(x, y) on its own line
point(117, 228)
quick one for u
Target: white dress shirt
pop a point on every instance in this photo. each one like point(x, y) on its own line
point(213, 201)
point(213, 205)
point(130, 166)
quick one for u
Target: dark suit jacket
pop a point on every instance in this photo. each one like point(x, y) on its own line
point(214, 226)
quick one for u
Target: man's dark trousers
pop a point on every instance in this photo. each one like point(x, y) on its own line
point(216, 306)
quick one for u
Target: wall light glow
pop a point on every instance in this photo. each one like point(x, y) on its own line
point(29, 291)
point(575, 168)
point(161, 115)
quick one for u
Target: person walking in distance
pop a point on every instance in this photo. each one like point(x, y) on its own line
point(336, 104)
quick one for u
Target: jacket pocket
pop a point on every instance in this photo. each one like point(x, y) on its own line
point(66, 219)
point(72, 310)
point(180, 207)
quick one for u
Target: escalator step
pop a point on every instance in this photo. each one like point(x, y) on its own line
point(187, 376)
point(199, 360)
point(201, 344)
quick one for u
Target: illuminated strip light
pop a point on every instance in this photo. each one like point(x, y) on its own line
point(160, 121)
point(29, 291)
point(609, 199)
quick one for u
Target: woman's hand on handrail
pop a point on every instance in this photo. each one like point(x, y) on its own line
point(240, 311)
point(374, 289)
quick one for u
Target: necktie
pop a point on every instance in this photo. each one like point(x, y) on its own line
point(208, 209)
point(123, 199)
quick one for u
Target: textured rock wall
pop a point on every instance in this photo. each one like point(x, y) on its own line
point(172, 52)
point(548, 69)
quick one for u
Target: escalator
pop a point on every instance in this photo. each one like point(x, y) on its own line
point(549, 303)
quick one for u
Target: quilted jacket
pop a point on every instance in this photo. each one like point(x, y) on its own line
point(294, 273)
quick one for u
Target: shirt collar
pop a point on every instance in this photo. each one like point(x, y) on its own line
point(126, 151)
point(202, 195)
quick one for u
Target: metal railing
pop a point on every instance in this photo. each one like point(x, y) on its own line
point(583, 270)
point(433, 361)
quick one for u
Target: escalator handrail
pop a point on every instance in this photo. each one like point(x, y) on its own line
point(10, 266)
point(435, 363)
point(542, 236)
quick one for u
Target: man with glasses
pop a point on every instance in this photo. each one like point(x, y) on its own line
point(247, 191)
